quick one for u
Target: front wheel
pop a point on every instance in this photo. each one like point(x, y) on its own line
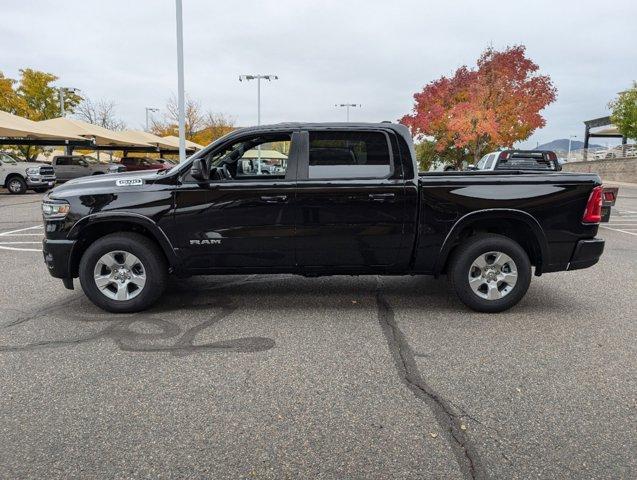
point(490, 273)
point(16, 185)
point(123, 272)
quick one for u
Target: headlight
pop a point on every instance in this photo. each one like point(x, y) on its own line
point(33, 171)
point(113, 168)
point(55, 211)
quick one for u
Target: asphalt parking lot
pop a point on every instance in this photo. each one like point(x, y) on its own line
point(341, 377)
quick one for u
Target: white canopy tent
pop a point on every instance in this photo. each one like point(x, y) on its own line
point(100, 135)
point(13, 126)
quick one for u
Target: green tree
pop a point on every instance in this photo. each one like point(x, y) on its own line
point(429, 156)
point(34, 97)
point(624, 109)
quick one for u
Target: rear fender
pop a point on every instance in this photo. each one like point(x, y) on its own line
point(475, 218)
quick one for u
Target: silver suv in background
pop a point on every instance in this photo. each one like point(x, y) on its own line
point(68, 167)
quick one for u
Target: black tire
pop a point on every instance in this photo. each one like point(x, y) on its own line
point(151, 257)
point(472, 249)
point(16, 185)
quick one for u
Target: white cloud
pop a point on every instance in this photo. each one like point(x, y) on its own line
point(377, 53)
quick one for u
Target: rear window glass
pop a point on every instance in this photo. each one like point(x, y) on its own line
point(349, 155)
point(525, 161)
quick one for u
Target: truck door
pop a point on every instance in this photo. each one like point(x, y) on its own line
point(244, 217)
point(350, 200)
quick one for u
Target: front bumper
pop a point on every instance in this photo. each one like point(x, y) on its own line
point(587, 253)
point(37, 181)
point(57, 256)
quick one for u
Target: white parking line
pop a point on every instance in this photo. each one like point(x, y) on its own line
point(619, 230)
point(19, 233)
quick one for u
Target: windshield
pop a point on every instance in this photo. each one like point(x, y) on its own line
point(7, 159)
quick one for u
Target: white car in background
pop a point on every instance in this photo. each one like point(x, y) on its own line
point(18, 177)
point(544, 160)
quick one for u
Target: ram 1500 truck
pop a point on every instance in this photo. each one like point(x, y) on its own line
point(348, 199)
point(18, 177)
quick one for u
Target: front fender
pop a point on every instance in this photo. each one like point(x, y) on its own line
point(134, 218)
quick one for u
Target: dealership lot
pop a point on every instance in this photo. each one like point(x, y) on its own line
point(342, 377)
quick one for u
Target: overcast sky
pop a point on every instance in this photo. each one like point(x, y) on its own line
point(376, 53)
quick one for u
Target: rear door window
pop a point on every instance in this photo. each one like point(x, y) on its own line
point(343, 155)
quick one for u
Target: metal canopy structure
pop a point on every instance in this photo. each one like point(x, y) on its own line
point(73, 133)
point(15, 130)
point(610, 132)
point(102, 137)
point(189, 145)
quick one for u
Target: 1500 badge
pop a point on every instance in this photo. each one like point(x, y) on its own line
point(129, 182)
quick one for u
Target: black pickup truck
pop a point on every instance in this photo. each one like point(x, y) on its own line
point(335, 199)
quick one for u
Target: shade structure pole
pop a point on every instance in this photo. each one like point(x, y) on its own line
point(180, 82)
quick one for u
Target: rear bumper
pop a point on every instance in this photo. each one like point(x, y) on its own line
point(57, 256)
point(586, 254)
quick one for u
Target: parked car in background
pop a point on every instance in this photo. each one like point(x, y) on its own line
point(134, 164)
point(519, 160)
point(18, 177)
point(68, 167)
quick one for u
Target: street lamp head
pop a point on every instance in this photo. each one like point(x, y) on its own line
point(258, 77)
point(70, 89)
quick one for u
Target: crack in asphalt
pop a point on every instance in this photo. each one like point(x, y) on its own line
point(447, 415)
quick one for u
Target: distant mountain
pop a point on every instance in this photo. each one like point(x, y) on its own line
point(562, 145)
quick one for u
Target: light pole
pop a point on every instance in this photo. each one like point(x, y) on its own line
point(149, 109)
point(258, 78)
point(61, 92)
point(570, 139)
point(347, 107)
point(180, 82)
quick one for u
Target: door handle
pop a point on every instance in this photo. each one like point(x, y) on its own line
point(274, 198)
point(381, 197)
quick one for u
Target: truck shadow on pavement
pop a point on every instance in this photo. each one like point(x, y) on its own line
point(164, 328)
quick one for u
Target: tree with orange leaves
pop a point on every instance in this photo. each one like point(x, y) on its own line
point(479, 109)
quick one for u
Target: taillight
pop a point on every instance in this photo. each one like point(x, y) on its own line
point(609, 196)
point(503, 156)
point(593, 212)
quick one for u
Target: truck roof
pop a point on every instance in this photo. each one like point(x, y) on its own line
point(401, 130)
point(335, 125)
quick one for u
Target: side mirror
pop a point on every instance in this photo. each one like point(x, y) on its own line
point(200, 171)
point(471, 167)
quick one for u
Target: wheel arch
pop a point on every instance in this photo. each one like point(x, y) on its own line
point(13, 175)
point(515, 224)
point(95, 226)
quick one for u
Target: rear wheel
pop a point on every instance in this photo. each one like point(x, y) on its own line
point(123, 272)
point(16, 185)
point(490, 273)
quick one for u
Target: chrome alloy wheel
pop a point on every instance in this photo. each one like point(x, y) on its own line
point(15, 185)
point(119, 275)
point(493, 275)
